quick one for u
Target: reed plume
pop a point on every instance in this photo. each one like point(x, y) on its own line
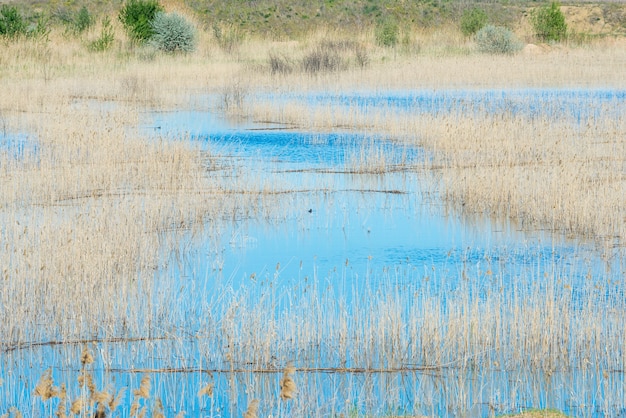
point(102, 399)
point(287, 385)
point(144, 388)
point(253, 408)
point(77, 406)
point(16, 413)
point(207, 390)
point(134, 407)
point(86, 357)
point(44, 388)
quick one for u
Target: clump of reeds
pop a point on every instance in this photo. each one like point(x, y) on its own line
point(94, 402)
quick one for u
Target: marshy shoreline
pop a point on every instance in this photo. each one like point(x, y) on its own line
point(116, 231)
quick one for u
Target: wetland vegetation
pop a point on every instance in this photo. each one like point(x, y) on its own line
point(328, 224)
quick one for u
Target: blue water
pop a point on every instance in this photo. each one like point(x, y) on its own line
point(18, 146)
point(577, 104)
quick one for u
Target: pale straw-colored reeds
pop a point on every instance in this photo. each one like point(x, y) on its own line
point(89, 210)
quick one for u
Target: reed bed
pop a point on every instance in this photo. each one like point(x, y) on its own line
point(493, 343)
point(562, 172)
point(99, 218)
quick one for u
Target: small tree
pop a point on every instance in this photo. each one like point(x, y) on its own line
point(497, 40)
point(12, 24)
point(137, 17)
point(387, 33)
point(173, 33)
point(473, 20)
point(549, 23)
point(106, 38)
point(83, 20)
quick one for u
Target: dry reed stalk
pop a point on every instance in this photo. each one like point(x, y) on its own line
point(157, 411)
point(85, 379)
point(115, 402)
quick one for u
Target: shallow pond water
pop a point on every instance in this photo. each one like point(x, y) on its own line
point(361, 244)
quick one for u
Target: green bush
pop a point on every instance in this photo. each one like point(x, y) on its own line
point(497, 40)
point(137, 17)
point(106, 38)
point(473, 20)
point(41, 30)
point(387, 33)
point(83, 20)
point(172, 33)
point(549, 23)
point(75, 22)
point(12, 24)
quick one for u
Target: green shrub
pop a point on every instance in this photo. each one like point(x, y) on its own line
point(172, 33)
point(473, 20)
point(549, 23)
point(137, 17)
point(12, 24)
point(40, 31)
point(497, 40)
point(83, 20)
point(105, 41)
point(387, 33)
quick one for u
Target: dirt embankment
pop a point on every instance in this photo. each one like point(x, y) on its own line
point(586, 19)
